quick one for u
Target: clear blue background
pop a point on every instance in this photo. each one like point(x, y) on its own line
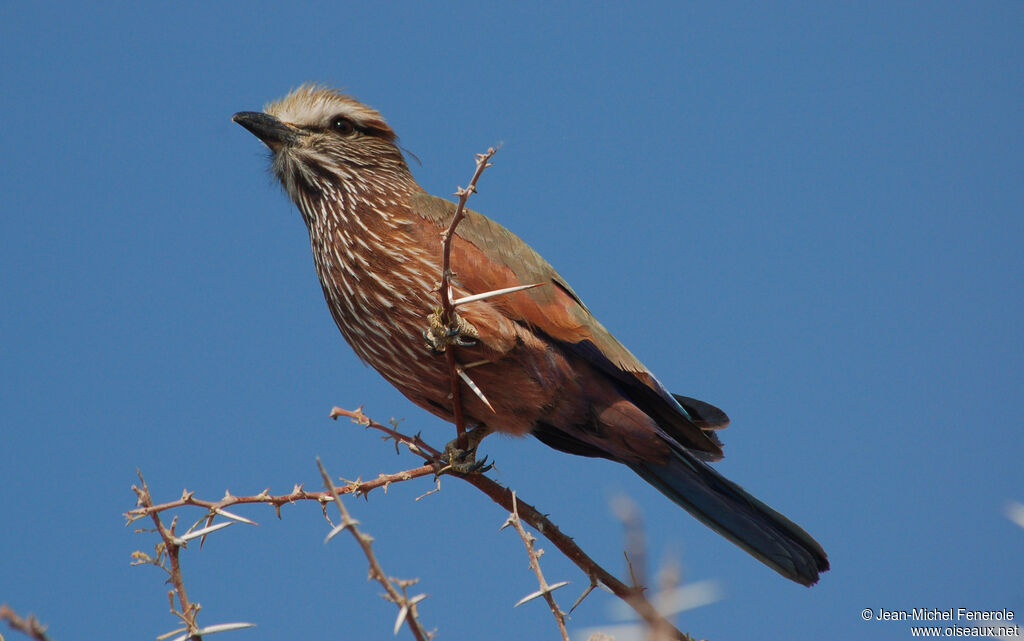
point(811, 215)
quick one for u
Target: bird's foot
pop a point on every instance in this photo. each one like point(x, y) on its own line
point(459, 332)
point(463, 460)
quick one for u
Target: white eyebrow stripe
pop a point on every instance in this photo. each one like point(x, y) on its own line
point(316, 105)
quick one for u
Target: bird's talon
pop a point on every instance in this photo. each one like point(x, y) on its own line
point(433, 342)
point(462, 460)
point(438, 335)
point(481, 466)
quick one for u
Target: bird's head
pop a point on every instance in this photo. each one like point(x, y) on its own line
point(327, 144)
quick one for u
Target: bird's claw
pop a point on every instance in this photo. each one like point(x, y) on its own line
point(438, 339)
point(438, 336)
point(469, 467)
point(463, 460)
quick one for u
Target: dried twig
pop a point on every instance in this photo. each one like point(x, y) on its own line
point(534, 554)
point(30, 626)
point(414, 443)
point(397, 595)
point(215, 508)
point(170, 547)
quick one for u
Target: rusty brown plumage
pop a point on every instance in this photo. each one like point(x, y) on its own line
point(545, 364)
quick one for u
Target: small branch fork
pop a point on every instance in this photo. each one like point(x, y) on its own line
point(170, 547)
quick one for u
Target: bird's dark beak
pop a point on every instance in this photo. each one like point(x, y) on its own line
point(269, 129)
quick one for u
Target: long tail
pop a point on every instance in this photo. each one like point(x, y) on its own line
point(729, 510)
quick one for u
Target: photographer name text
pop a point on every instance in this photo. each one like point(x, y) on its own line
point(936, 614)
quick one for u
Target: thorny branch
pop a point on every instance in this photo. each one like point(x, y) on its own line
point(30, 626)
point(534, 554)
point(445, 289)
point(632, 595)
point(215, 508)
point(566, 545)
point(171, 547)
point(407, 606)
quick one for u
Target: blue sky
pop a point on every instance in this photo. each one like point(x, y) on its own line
point(809, 215)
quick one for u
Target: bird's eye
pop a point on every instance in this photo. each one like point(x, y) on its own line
point(342, 125)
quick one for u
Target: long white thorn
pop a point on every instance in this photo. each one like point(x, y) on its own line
point(236, 517)
point(541, 592)
point(204, 531)
point(496, 292)
point(476, 390)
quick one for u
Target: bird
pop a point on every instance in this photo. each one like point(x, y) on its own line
point(540, 362)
